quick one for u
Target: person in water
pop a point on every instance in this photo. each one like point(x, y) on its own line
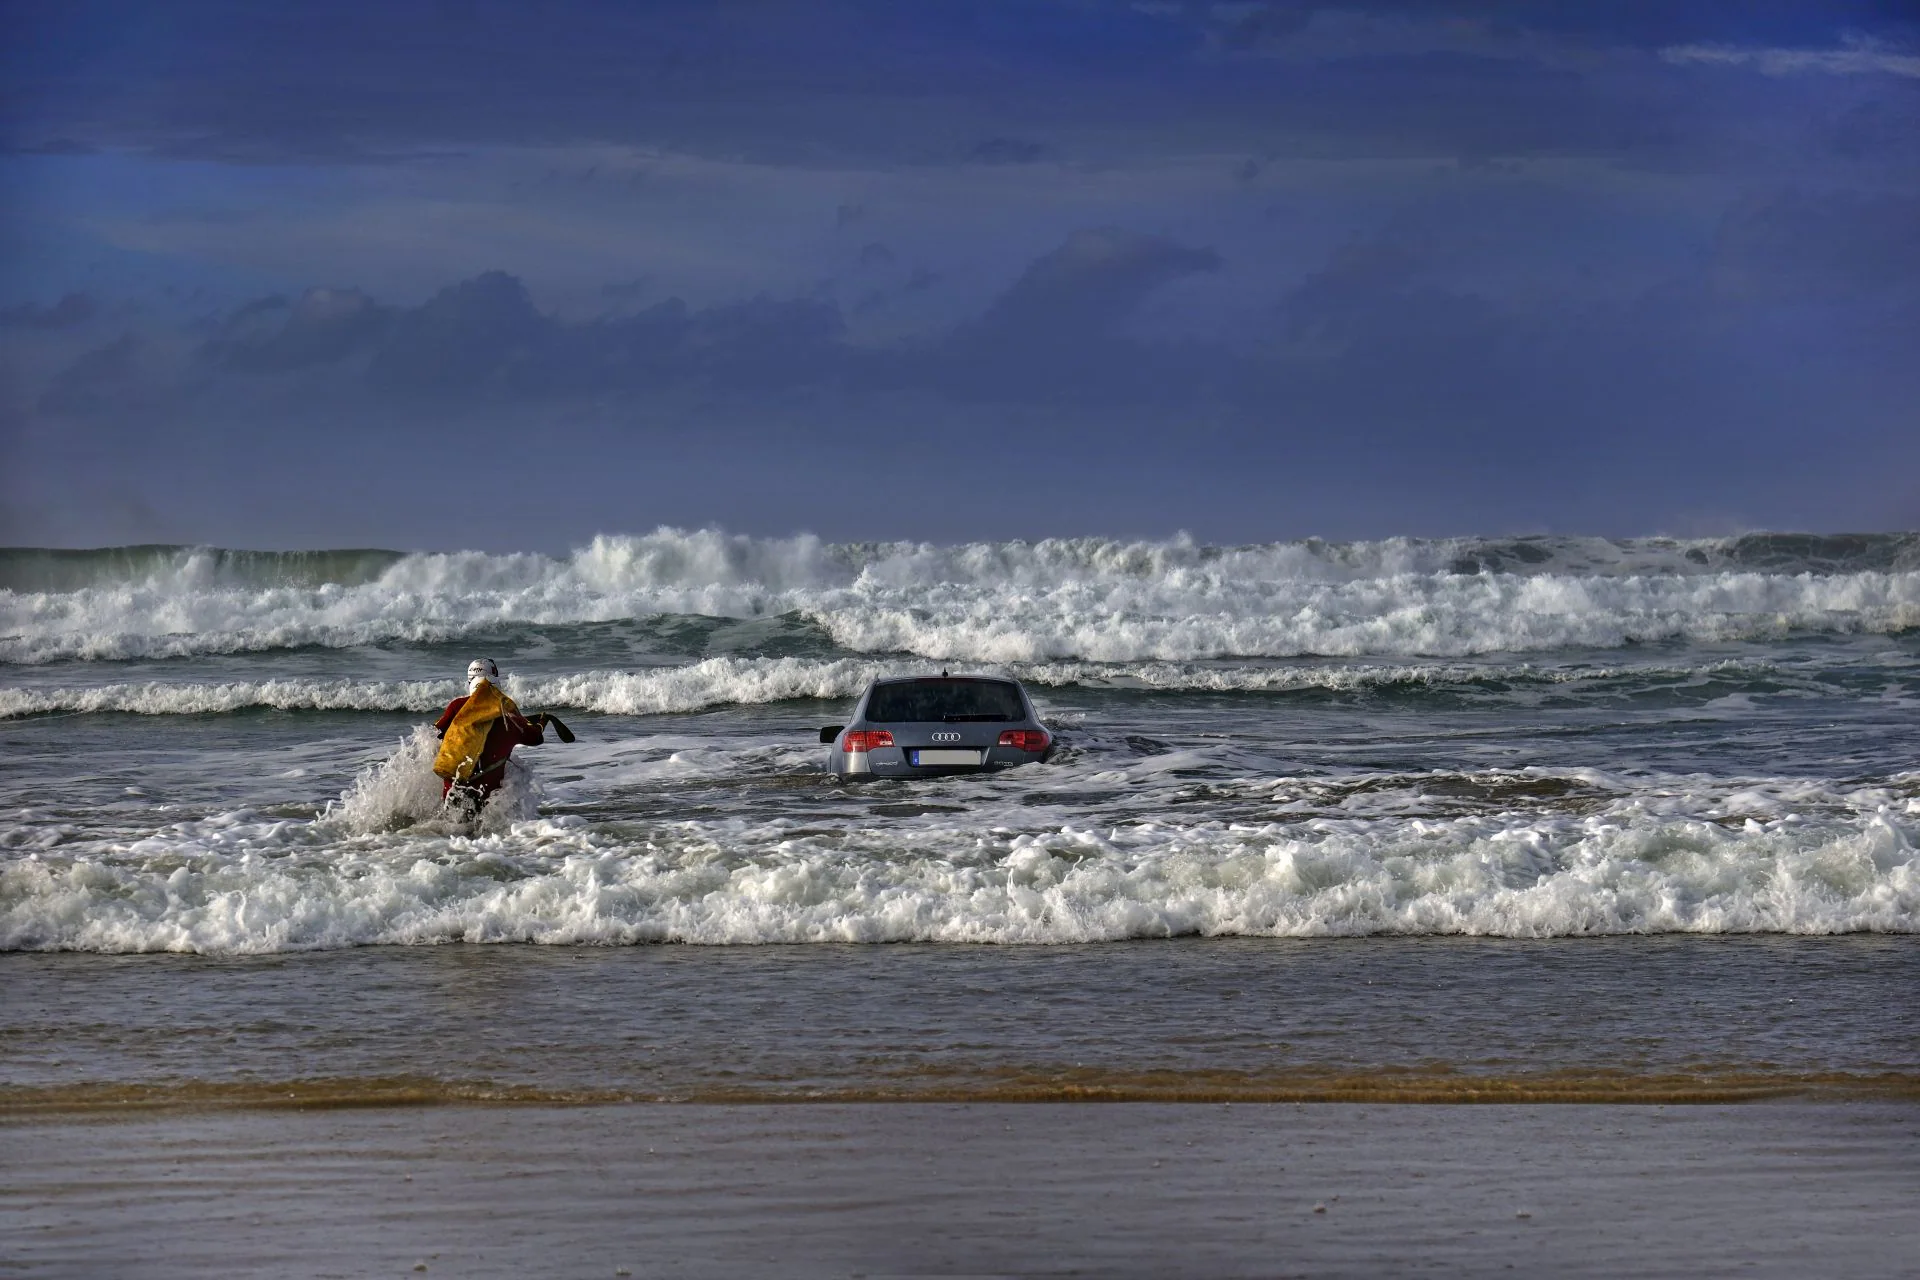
point(478, 733)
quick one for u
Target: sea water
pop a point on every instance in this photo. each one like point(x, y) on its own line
point(1672, 784)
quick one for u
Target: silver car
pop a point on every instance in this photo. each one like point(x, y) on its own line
point(927, 726)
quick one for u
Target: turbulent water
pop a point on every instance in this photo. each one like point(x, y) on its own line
point(219, 751)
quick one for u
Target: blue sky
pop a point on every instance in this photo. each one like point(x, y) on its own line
point(470, 274)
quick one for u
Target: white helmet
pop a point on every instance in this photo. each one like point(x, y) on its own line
point(482, 669)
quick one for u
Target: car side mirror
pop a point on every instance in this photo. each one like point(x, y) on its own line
point(831, 732)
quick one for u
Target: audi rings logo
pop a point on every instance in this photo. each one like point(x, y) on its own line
point(946, 737)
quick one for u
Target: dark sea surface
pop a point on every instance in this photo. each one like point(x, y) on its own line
point(1449, 819)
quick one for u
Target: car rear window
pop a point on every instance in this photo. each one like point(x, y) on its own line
point(921, 700)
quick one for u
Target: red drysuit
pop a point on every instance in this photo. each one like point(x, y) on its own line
point(509, 731)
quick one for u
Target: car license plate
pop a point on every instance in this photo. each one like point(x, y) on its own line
point(945, 757)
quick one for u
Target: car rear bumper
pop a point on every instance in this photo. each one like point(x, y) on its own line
point(893, 762)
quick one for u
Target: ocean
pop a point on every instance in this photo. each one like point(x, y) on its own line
point(1679, 778)
point(1610, 824)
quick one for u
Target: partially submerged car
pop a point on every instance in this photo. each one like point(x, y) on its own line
point(929, 726)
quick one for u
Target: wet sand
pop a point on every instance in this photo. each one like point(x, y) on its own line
point(1768, 1189)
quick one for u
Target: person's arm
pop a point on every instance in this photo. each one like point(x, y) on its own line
point(526, 729)
point(446, 717)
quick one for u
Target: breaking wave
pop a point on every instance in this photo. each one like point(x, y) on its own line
point(716, 682)
point(240, 883)
point(1085, 599)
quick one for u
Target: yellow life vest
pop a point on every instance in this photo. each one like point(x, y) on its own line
point(466, 737)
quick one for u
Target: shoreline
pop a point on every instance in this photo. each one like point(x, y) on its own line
point(1398, 1088)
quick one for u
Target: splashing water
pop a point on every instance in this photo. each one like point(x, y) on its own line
point(402, 792)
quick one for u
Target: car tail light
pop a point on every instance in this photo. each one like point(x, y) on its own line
point(1025, 739)
point(868, 739)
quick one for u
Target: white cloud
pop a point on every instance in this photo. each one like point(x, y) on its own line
point(1857, 56)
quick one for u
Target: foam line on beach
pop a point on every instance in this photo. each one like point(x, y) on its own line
point(958, 1082)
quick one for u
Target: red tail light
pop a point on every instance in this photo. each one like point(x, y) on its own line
point(1025, 739)
point(868, 739)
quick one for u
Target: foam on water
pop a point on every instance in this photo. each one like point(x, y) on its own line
point(1548, 791)
point(725, 681)
point(1676, 855)
point(401, 792)
point(1064, 599)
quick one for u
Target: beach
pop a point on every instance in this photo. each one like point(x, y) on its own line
point(1193, 1107)
point(874, 1190)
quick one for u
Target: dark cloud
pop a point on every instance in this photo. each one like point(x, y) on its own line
point(1057, 330)
point(71, 311)
point(475, 337)
point(626, 290)
point(1881, 126)
point(120, 376)
point(1091, 284)
point(484, 339)
point(1253, 26)
point(1820, 246)
point(324, 326)
point(1382, 391)
point(1381, 338)
point(1634, 24)
point(1004, 150)
point(872, 81)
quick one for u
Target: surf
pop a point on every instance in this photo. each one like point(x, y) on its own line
point(1085, 599)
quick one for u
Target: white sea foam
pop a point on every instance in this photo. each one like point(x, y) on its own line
point(242, 884)
point(402, 792)
point(1056, 600)
point(751, 681)
point(162, 698)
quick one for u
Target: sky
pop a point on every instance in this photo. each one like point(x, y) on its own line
point(466, 274)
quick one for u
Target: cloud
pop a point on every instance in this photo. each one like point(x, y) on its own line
point(1383, 391)
point(119, 376)
point(859, 81)
point(1003, 150)
point(1091, 283)
point(71, 311)
point(476, 336)
point(1828, 246)
point(626, 290)
point(1857, 55)
point(325, 326)
point(1059, 333)
point(1058, 330)
point(485, 337)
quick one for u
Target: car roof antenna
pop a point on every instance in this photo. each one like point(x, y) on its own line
point(943, 673)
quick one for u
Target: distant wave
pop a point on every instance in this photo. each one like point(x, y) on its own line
point(38, 569)
point(750, 681)
point(709, 557)
point(1057, 600)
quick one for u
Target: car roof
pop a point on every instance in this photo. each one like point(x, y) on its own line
point(943, 679)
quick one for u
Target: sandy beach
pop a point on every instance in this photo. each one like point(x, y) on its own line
point(1779, 1189)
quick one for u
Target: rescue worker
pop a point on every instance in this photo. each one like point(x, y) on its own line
point(478, 733)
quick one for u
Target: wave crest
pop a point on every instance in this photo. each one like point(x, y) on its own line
point(727, 681)
point(228, 887)
point(1054, 600)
